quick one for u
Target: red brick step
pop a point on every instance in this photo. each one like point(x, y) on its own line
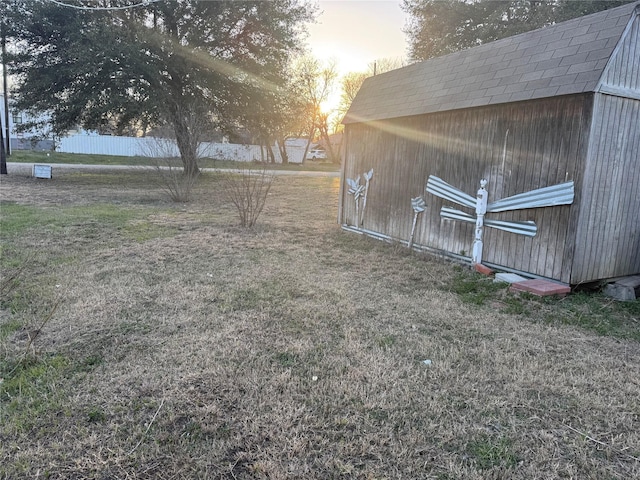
point(541, 287)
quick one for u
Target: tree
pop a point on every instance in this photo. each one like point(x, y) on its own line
point(290, 118)
point(315, 82)
point(181, 62)
point(351, 84)
point(277, 115)
point(352, 81)
point(439, 27)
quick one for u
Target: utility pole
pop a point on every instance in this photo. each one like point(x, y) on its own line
point(3, 156)
point(3, 39)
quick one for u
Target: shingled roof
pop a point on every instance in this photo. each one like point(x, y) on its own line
point(561, 59)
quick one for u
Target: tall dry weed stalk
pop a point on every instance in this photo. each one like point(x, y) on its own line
point(247, 190)
point(10, 279)
point(10, 282)
point(177, 183)
point(169, 170)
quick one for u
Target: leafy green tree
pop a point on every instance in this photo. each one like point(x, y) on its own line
point(439, 27)
point(185, 63)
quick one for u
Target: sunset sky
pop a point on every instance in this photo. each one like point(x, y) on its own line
point(357, 32)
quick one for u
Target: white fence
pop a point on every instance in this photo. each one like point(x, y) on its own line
point(155, 147)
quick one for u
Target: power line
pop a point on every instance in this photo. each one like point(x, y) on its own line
point(143, 3)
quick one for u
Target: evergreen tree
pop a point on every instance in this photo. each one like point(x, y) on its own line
point(190, 64)
point(439, 27)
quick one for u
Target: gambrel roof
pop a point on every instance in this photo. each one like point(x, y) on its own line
point(561, 59)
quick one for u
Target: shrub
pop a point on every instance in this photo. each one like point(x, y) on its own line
point(247, 190)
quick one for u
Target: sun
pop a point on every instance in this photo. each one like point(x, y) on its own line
point(332, 103)
point(356, 33)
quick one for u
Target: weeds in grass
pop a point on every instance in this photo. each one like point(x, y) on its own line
point(29, 389)
point(264, 295)
point(386, 342)
point(592, 311)
point(286, 359)
point(8, 327)
point(15, 218)
point(8, 285)
point(96, 415)
point(193, 431)
point(144, 435)
point(143, 230)
point(36, 330)
point(517, 304)
point(474, 288)
point(89, 363)
point(10, 279)
point(489, 452)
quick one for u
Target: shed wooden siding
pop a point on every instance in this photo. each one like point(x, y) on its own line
point(622, 74)
point(608, 235)
point(534, 110)
point(607, 242)
point(546, 144)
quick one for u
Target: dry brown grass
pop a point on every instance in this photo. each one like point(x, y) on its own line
point(188, 347)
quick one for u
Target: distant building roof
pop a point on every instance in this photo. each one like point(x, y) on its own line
point(565, 58)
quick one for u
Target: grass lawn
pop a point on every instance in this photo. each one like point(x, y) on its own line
point(143, 339)
point(29, 156)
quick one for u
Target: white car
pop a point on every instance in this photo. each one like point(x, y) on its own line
point(316, 154)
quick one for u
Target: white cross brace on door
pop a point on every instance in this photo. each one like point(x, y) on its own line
point(561, 194)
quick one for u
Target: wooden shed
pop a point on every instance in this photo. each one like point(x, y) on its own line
point(555, 106)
